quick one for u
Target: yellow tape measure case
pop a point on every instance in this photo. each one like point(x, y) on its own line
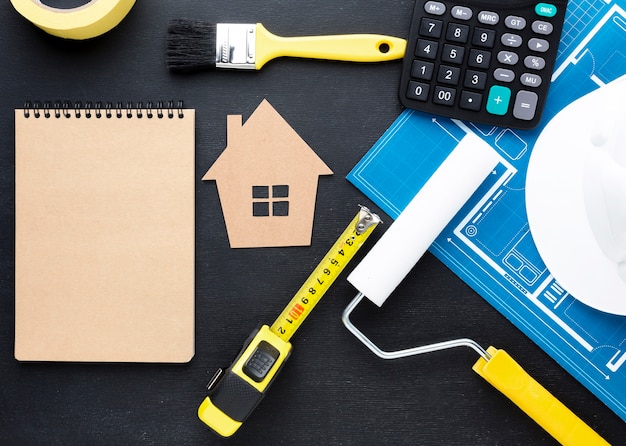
point(235, 392)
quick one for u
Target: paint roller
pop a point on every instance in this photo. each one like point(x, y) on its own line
point(405, 242)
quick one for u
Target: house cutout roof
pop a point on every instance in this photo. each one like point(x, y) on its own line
point(267, 181)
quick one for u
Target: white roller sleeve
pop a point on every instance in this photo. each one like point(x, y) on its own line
point(428, 213)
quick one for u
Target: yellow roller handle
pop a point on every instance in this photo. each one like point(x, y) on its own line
point(349, 47)
point(506, 375)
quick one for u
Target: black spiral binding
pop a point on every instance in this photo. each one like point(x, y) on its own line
point(67, 109)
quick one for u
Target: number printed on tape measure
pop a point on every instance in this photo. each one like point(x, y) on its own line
point(323, 276)
point(319, 282)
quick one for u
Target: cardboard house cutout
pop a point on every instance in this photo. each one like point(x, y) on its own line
point(267, 181)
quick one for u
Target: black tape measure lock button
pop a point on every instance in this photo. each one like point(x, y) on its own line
point(237, 390)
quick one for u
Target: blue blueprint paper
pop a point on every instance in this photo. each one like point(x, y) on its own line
point(488, 244)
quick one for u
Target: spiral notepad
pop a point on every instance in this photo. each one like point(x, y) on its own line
point(104, 232)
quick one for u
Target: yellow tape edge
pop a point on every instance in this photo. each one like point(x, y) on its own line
point(84, 22)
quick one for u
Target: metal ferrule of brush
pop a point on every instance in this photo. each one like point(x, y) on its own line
point(235, 46)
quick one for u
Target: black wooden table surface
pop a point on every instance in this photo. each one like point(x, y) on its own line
point(332, 391)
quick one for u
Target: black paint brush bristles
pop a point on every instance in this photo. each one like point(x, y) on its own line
point(190, 45)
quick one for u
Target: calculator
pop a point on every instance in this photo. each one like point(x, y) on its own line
point(484, 61)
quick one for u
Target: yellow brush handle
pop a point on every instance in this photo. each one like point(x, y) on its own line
point(506, 375)
point(349, 47)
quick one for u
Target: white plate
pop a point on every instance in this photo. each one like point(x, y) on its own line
point(576, 197)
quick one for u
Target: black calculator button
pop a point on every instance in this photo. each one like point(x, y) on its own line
point(485, 38)
point(488, 17)
point(508, 57)
point(541, 27)
point(515, 22)
point(530, 80)
point(539, 45)
point(525, 105)
point(452, 53)
point(444, 96)
point(461, 13)
point(503, 75)
point(534, 62)
point(426, 49)
point(475, 79)
point(435, 8)
point(431, 28)
point(422, 70)
point(448, 75)
point(511, 40)
point(457, 33)
point(470, 100)
point(418, 91)
point(479, 59)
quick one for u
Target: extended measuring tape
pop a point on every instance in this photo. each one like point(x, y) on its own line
point(236, 391)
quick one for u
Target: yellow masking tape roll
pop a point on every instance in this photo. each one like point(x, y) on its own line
point(83, 22)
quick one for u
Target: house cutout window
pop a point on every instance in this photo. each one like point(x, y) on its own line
point(270, 201)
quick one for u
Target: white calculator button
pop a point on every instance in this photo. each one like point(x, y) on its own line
point(541, 27)
point(539, 45)
point(534, 62)
point(503, 75)
point(435, 8)
point(512, 40)
point(461, 12)
point(508, 57)
point(514, 22)
point(488, 18)
point(530, 80)
point(525, 105)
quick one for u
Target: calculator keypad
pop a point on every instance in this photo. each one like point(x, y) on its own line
point(488, 62)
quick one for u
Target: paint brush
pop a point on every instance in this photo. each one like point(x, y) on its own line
point(197, 45)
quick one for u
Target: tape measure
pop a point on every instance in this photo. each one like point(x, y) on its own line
point(236, 391)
